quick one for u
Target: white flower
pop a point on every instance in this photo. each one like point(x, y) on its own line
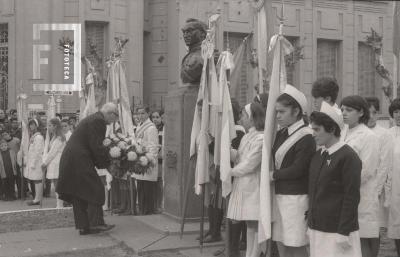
point(107, 142)
point(139, 149)
point(143, 161)
point(115, 152)
point(150, 157)
point(120, 135)
point(122, 145)
point(127, 140)
point(115, 139)
point(132, 156)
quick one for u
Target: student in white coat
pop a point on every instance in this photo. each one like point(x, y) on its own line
point(245, 196)
point(33, 170)
point(366, 144)
point(52, 153)
point(393, 200)
point(147, 133)
point(385, 157)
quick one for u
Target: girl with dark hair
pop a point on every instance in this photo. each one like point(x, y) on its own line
point(158, 193)
point(292, 151)
point(366, 144)
point(245, 196)
point(393, 185)
point(52, 154)
point(334, 189)
point(33, 170)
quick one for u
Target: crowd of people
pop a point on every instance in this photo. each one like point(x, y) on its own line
point(335, 179)
point(15, 186)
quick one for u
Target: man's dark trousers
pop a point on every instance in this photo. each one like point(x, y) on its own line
point(80, 209)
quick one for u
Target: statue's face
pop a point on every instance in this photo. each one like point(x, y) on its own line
point(192, 35)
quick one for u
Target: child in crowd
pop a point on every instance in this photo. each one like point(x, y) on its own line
point(52, 154)
point(8, 170)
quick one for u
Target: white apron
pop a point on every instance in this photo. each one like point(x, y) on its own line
point(290, 226)
point(324, 244)
point(394, 208)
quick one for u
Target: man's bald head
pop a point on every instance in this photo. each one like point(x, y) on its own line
point(110, 112)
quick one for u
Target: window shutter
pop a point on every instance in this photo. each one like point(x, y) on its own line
point(95, 34)
point(369, 82)
point(327, 52)
point(4, 66)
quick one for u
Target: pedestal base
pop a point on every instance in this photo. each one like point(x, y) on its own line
point(179, 109)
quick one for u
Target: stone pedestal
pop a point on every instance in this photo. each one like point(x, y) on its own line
point(179, 108)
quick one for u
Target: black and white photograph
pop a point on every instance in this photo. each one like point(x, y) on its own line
point(199, 128)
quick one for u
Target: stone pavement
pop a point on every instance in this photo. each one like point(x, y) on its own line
point(136, 236)
point(149, 236)
point(17, 205)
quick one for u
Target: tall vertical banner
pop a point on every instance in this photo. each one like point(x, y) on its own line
point(280, 47)
point(23, 119)
point(50, 114)
point(265, 30)
point(396, 45)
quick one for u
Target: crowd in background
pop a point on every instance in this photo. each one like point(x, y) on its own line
point(15, 186)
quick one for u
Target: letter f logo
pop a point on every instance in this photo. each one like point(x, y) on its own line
point(37, 48)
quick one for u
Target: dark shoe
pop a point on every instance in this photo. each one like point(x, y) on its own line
point(105, 227)
point(219, 252)
point(30, 203)
point(89, 231)
point(212, 239)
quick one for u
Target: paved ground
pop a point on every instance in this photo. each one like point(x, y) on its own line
point(149, 236)
point(6, 206)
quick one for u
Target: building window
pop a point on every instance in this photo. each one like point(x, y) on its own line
point(327, 58)
point(292, 70)
point(3, 66)
point(369, 82)
point(95, 45)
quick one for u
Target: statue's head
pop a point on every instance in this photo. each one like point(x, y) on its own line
point(194, 31)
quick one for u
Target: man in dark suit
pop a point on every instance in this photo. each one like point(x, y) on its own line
point(78, 181)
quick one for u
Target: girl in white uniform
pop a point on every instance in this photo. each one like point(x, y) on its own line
point(366, 144)
point(245, 196)
point(33, 170)
point(393, 186)
point(52, 154)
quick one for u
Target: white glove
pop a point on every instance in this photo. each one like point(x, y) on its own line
point(234, 154)
point(343, 241)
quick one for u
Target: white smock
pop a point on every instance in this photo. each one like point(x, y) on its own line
point(394, 201)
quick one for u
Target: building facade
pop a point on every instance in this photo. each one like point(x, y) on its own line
point(329, 37)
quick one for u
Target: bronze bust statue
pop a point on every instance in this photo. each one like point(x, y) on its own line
point(194, 32)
